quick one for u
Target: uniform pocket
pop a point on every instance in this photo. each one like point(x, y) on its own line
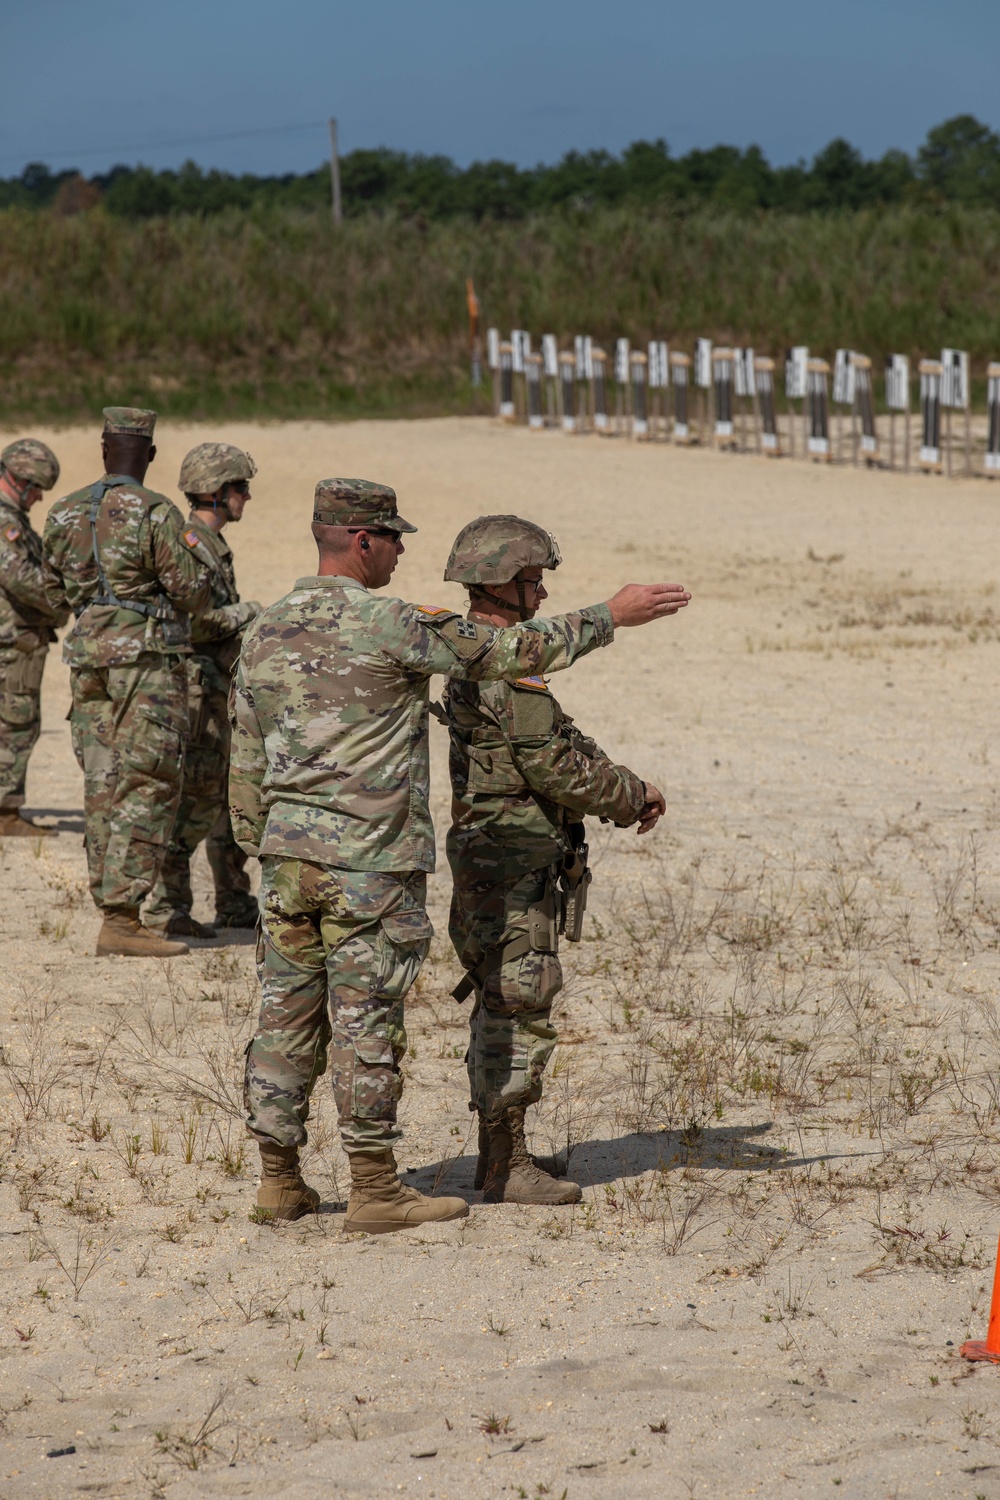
point(492, 769)
point(377, 1083)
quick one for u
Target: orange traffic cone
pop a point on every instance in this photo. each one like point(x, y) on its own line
point(988, 1348)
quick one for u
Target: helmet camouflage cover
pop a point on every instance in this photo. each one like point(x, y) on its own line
point(211, 465)
point(494, 549)
point(32, 462)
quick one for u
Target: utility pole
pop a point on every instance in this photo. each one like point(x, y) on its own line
point(338, 212)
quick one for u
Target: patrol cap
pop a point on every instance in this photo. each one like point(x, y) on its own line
point(32, 462)
point(494, 549)
point(131, 421)
point(211, 465)
point(357, 502)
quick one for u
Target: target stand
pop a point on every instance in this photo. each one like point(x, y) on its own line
point(991, 459)
point(506, 410)
point(723, 383)
point(533, 390)
point(864, 407)
point(680, 384)
point(818, 410)
point(599, 391)
point(638, 379)
point(567, 391)
point(930, 415)
point(770, 442)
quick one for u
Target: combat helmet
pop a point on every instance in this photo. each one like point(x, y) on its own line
point(211, 465)
point(31, 463)
point(497, 549)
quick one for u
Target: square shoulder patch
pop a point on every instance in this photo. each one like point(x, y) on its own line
point(534, 684)
point(12, 533)
point(192, 538)
point(435, 609)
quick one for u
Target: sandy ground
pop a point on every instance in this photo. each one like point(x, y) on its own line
point(778, 1080)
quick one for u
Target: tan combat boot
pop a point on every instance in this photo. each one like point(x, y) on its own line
point(380, 1203)
point(512, 1176)
point(13, 825)
point(282, 1193)
point(552, 1165)
point(122, 933)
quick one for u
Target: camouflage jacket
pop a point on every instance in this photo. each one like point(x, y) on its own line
point(330, 757)
point(152, 567)
point(27, 619)
point(217, 631)
point(521, 771)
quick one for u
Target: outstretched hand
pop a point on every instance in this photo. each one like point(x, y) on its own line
point(653, 809)
point(639, 603)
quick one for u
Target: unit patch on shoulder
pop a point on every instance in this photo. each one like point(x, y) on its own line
point(434, 609)
point(12, 533)
point(467, 630)
point(536, 684)
point(192, 538)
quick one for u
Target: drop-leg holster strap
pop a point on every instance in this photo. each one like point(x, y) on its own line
point(501, 954)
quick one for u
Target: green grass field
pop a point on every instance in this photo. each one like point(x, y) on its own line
point(275, 314)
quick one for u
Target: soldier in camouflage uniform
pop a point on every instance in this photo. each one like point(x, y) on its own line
point(28, 624)
point(328, 787)
point(523, 777)
point(215, 478)
point(125, 561)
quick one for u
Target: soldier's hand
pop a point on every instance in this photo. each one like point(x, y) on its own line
point(639, 603)
point(653, 809)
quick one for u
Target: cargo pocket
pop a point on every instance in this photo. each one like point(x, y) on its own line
point(492, 768)
point(401, 947)
point(154, 751)
point(377, 1082)
point(18, 709)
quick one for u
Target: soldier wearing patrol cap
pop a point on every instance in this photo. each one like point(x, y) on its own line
point(215, 478)
point(125, 561)
point(28, 623)
point(329, 788)
point(523, 778)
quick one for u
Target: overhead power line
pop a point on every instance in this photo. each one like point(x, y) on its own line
point(190, 140)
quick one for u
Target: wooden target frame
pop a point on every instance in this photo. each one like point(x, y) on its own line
point(991, 458)
point(930, 415)
point(506, 409)
point(638, 382)
point(864, 408)
point(567, 390)
point(723, 386)
point(897, 399)
point(599, 391)
point(680, 384)
point(533, 391)
point(770, 441)
point(818, 410)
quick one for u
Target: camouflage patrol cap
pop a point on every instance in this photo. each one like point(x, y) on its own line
point(32, 462)
point(211, 465)
point(494, 549)
point(357, 502)
point(132, 421)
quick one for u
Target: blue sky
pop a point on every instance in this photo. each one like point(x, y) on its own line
point(91, 82)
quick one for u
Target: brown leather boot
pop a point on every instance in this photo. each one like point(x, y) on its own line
point(122, 933)
point(380, 1203)
point(14, 825)
point(554, 1166)
point(511, 1175)
point(282, 1192)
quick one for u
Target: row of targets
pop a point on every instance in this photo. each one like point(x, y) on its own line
point(730, 397)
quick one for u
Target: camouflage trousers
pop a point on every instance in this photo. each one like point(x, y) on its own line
point(129, 725)
point(202, 814)
point(339, 950)
point(511, 1035)
point(20, 719)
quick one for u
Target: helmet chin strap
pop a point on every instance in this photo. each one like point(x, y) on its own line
point(524, 613)
point(222, 504)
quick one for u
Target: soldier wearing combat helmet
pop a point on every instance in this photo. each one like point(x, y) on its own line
point(28, 623)
point(329, 787)
point(523, 778)
point(125, 561)
point(215, 478)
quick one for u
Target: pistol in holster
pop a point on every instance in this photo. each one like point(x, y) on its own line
point(574, 881)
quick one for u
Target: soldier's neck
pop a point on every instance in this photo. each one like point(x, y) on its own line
point(501, 618)
point(214, 517)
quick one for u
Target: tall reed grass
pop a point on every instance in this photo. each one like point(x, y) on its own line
point(277, 314)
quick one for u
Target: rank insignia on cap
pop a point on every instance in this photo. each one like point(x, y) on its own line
point(12, 533)
point(466, 630)
point(536, 684)
point(434, 609)
point(192, 538)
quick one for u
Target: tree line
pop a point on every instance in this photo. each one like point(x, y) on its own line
point(959, 162)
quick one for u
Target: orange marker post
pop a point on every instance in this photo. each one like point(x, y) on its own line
point(988, 1348)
